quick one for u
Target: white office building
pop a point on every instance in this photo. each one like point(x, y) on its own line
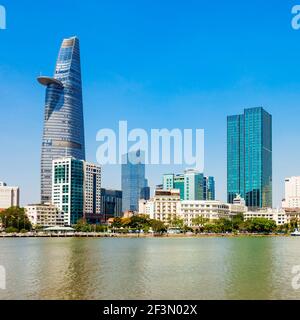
point(9, 196)
point(166, 205)
point(44, 215)
point(76, 189)
point(277, 215)
point(292, 193)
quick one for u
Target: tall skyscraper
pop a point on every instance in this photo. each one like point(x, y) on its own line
point(63, 120)
point(134, 183)
point(249, 157)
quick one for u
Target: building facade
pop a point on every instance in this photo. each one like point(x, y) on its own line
point(9, 196)
point(76, 189)
point(292, 193)
point(163, 206)
point(111, 203)
point(45, 215)
point(68, 188)
point(167, 206)
point(92, 191)
point(172, 181)
point(279, 216)
point(249, 157)
point(193, 185)
point(134, 183)
point(63, 119)
point(211, 210)
point(209, 188)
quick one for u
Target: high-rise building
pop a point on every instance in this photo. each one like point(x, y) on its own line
point(9, 196)
point(172, 181)
point(193, 185)
point(179, 184)
point(76, 189)
point(92, 191)
point(134, 183)
point(68, 188)
point(249, 157)
point(63, 120)
point(292, 193)
point(209, 188)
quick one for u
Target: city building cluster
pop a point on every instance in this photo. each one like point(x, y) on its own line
point(71, 187)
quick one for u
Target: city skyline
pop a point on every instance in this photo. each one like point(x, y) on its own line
point(210, 84)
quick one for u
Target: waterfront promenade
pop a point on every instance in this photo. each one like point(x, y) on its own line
point(134, 235)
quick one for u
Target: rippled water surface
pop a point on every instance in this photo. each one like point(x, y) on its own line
point(204, 268)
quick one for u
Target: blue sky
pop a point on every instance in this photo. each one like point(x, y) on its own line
point(156, 64)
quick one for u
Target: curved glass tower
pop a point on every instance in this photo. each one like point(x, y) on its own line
point(63, 121)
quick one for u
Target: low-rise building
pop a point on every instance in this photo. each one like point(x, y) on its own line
point(163, 206)
point(44, 215)
point(166, 206)
point(211, 210)
point(9, 196)
point(277, 215)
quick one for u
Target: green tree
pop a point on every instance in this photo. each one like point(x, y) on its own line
point(200, 222)
point(237, 221)
point(16, 218)
point(177, 223)
point(261, 225)
point(117, 223)
point(139, 222)
point(158, 226)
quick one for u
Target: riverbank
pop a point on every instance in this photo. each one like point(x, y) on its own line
point(135, 235)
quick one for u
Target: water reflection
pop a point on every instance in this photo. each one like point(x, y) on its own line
point(214, 268)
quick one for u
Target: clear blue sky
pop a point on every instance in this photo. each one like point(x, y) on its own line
point(173, 64)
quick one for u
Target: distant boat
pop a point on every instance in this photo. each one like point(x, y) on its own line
point(296, 233)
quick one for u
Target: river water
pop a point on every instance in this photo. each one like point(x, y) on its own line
point(151, 268)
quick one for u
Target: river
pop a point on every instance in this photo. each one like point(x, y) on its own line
point(150, 268)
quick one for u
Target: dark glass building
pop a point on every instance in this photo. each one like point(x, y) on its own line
point(209, 188)
point(63, 134)
point(134, 183)
point(249, 157)
point(111, 203)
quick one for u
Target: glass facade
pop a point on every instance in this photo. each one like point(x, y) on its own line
point(193, 185)
point(209, 188)
point(172, 181)
point(63, 134)
point(249, 157)
point(179, 184)
point(134, 184)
